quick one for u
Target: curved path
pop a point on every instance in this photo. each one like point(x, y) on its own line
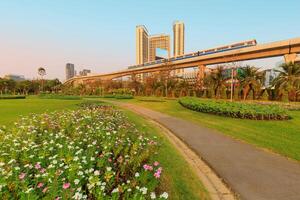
point(252, 173)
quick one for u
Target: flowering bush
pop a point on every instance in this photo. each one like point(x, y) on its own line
point(91, 153)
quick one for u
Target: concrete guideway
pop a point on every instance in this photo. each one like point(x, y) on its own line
point(252, 173)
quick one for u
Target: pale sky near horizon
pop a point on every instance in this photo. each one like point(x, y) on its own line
point(100, 34)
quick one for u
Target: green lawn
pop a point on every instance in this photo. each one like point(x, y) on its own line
point(179, 179)
point(282, 137)
point(12, 109)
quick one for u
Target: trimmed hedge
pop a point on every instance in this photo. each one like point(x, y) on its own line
point(57, 96)
point(119, 96)
point(235, 109)
point(13, 97)
point(124, 96)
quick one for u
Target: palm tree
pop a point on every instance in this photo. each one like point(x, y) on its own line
point(288, 80)
point(251, 80)
point(42, 73)
point(216, 81)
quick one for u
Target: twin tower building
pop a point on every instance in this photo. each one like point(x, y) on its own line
point(147, 45)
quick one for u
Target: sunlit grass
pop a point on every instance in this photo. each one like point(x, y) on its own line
point(282, 137)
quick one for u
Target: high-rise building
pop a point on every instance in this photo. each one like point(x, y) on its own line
point(84, 72)
point(14, 77)
point(70, 71)
point(178, 42)
point(141, 44)
point(178, 38)
point(160, 41)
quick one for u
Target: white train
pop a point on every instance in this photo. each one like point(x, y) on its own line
point(220, 49)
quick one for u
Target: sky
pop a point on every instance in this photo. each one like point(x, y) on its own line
point(100, 34)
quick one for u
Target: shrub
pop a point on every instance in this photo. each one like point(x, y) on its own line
point(58, 96)
point(91, 153)
point(235, 109)
point(124, 96)
point(12, 97)
point(109, 96)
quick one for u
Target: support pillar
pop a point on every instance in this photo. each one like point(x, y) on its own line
point(290, 58)
point(200, 77)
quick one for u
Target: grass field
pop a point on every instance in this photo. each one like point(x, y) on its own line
point(11, 109)
point(282, 137)
point(179, 180)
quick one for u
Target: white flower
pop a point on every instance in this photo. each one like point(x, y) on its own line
point(129, 190)
point(76, 158)
point(30, 189)
point(80, 173)
point(115, 190)
point(164, 195)
point(97, 173)
point(108, 169)
point(152, 195)
point(144, 190)
point(92, 158)
point(137, 174)
point(77, 195)
point(76, 181)
point(2, 164)
point(91, 170)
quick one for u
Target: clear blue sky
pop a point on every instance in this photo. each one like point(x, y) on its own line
point(100, 34)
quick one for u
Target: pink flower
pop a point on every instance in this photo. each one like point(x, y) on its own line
point(22, 176)
point(66, 185)
point(156, 163)
point(37, 166)
point(40, 184)
point(42, 170)
point(157, 174)
point(148, 167)
point(57, 198)
point(45, 190)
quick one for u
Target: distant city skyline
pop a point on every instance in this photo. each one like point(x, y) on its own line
point(52, 33)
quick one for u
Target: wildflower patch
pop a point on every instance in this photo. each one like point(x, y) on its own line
point(91, 153)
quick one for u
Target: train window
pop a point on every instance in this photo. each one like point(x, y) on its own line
point(222, 48)
point(237, 45)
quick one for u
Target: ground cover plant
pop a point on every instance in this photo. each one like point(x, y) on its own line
point(12, 97)
point(90, 153)
point(235, 109)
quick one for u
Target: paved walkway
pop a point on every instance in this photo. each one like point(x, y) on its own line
point(252, 173)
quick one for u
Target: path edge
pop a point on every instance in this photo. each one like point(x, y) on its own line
point(214, 185)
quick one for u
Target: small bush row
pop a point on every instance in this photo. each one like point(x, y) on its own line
point(58, 96)
point(119, 96)
point(235, 109)
point(13, 97)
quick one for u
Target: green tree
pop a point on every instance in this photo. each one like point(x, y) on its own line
point(288, 80)
point(251, 80)
point(216, 81)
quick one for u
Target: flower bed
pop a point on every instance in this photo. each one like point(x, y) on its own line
point(91, 153)
point(235, 109)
